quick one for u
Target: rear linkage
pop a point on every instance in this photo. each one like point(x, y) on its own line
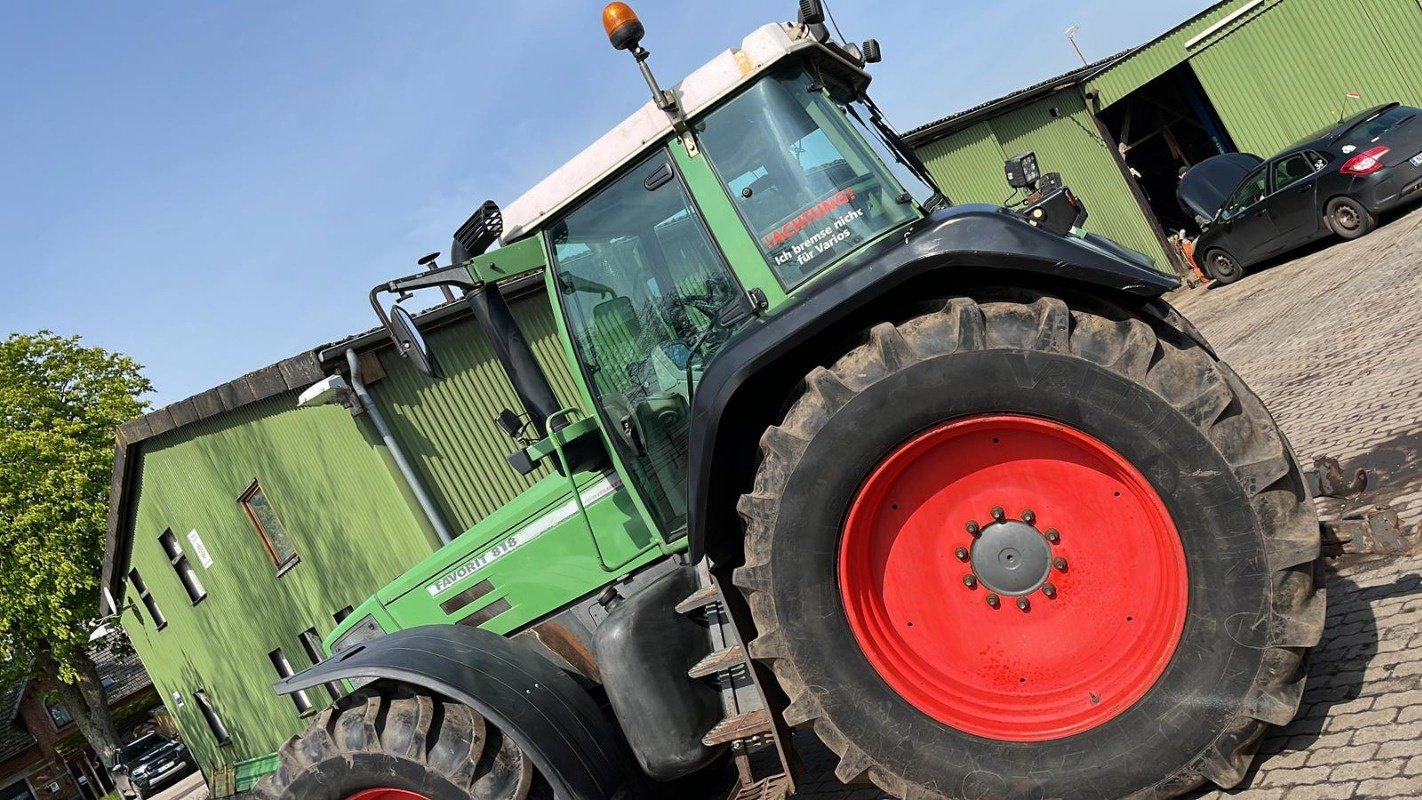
point(1368, 530)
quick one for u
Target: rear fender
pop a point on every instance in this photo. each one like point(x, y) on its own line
point(552, 719)
point(746, 385)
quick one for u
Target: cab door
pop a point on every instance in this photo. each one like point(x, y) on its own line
point(1293, 203)
point(644, 290)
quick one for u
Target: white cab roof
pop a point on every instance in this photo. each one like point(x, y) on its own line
point(649, 125)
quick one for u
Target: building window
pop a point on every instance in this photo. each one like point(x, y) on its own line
point(159, 621)
point(214, 722)
point(59, 712)
point(269, 528)
point(311, 643)
point(185, 571)
point(284, 670)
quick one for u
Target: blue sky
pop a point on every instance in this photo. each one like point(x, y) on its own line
point(211, 187)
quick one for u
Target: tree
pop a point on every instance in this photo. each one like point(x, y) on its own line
point(60, 405)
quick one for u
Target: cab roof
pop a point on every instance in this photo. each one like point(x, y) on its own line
point(639, 133)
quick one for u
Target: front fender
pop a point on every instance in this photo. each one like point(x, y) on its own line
point(571, 741)
point(963, 245)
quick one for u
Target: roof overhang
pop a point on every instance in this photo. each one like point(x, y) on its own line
point(639, 133)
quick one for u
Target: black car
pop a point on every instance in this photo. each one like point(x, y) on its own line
point(1336, 182)
point(151, 762)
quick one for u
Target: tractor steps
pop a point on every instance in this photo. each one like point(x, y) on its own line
point(705, 596)
point(773, 788)
point(745, 726)
point(719, 661)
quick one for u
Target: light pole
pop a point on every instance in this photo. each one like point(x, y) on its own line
point(1071, 37)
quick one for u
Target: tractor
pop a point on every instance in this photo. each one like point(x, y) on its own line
point(951, 488)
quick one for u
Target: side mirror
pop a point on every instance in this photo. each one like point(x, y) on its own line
point(411, 343)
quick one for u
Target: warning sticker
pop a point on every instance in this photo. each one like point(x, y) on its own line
point(814, 231)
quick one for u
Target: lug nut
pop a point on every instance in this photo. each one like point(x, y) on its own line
point(1050, 591)
point(1059, 563)
point(961, 553)
point(994, 600)
point(1029, 517)
point(973, 527)
point(1053, 536)
point(997, 513)
point(1023, 604)
point(970, 581)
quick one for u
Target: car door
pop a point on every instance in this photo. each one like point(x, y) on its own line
point(1292, 205)
point(1247, 228)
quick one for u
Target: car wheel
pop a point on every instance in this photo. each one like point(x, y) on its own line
point(1350, 219)
point(1222, 267)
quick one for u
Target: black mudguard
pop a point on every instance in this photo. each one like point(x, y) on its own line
point(962, 246)
point(552, 719)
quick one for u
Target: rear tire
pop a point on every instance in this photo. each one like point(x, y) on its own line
point(1144, 388)
point(1223, 267)
point(1350, 219)
point(409, 744)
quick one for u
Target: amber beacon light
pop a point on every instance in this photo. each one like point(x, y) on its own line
point(623, 28)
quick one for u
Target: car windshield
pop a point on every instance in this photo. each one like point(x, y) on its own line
point(138, 748)
point(795, 154)
point(1370, 130)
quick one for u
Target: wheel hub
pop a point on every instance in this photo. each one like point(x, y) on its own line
point(1011, 558)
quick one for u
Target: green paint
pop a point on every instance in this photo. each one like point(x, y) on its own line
point(510, 261)
point(328, 477)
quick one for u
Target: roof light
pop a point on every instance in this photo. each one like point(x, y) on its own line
point(623, 28)
point(1365, 163)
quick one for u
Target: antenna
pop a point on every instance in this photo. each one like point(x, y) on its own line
point(1071, 37)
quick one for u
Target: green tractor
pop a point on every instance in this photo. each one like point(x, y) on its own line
point(951, 488)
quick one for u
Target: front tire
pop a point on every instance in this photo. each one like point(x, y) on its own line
point(1223, 267)
point(391, 742)
point(907, 672)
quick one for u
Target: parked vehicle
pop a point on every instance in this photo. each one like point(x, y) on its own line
point(151, 762)
point(1336, 182)
point(952, 488)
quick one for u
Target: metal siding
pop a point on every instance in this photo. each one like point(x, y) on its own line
point(1278, 79)
point(327, 477)
point(968, 165)
point(1073, 146)
point(447, 426)
point(1158, 57)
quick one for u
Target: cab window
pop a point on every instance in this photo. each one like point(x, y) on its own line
point(805, 180)
point(643, 288)
point(1254, 188)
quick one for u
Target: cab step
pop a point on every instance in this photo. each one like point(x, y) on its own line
point(705, 596)
point(719, 661)
point(745, 726)
point(776, 787)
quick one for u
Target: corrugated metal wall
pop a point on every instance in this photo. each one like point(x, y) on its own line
point(1166, 52)
point(968, 165)
point(1284, 76)
point(326, 476)
point(447, 426)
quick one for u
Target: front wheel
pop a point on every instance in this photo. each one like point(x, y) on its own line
point(1022, 549)
point(395, 743)
point(1223, 267)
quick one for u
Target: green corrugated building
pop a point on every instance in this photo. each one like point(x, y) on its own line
point(244, 524)
point(1245, 75)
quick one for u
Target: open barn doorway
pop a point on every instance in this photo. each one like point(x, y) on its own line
point(1162, 129)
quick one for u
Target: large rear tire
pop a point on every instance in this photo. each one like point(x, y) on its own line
point(1167, 515)
point(391, 742)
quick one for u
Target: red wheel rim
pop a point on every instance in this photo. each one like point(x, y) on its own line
point(1099, 628)
point(386, 794)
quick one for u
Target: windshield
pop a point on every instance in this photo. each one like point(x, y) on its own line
point(1369, 131)
point(796, 158)
point(141, 747)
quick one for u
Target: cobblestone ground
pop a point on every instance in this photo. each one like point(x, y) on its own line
point(1332, 341)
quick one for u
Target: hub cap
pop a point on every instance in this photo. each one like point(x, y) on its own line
point(386, 794)
point(1013, 578)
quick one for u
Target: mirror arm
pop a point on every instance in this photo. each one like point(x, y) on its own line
point(455, 275)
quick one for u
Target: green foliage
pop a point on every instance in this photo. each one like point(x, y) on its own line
point(60, 405)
